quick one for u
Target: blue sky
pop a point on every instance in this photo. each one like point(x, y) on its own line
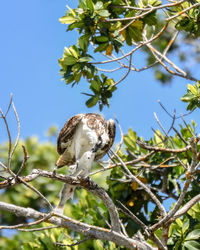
point(32, 40)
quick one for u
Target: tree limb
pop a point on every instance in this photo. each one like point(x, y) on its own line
point(83, 228)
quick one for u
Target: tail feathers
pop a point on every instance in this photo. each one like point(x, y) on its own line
point(70, 192)
point(66, 193)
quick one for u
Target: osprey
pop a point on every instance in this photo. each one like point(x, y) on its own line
point(83, 139)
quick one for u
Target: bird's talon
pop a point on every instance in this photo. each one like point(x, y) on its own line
point(54, 172)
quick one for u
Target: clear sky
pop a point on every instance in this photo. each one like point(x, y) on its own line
point(32, 40)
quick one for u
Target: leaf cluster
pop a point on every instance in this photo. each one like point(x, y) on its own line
point(106, 27)
point(90, 20)
point(192, 96)
point(185, 233)
point(166, 170)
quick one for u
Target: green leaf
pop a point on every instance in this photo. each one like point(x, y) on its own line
point(74, 52)
point(135, 34)
point(92, 101)
point(103, 13)
point(186, 225)
point(192, 245)
point(132, 134)
point(95, 85)
point(67, 19)
point(158, 136)
point(179, 222)
point(129, 143)
point(101, 47)
point(195, 234)
point(69, 79)
point(84, 59)
point(77, 77)
point(155, 2)
point(192, 89)
point(70, 60)
point(98, 245)
point(72, 11)
point(90, 4)
point(98, 5)
point(67, 52)
point(188, 97)
point(185, 24)
point(83, 42)
point(150, 19)
point(101, 39)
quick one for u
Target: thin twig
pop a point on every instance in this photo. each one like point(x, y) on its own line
point(151, 235)
point(129, 69)
point(107, 223)
point(74, 244)
point(145, 187)
point(9, 138)
point(45, 217)
point(169, 150)
point(182, 12)
point(117, 164)
point(188, 128)
point(23, 162)
point(38, 229)
point(18, 129)
point(9, 105)
point(37, 192)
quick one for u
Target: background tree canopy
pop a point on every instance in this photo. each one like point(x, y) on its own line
point(116, 30)
point(153, 183)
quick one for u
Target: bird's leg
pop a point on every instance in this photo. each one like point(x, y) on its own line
point(72, 169)
point(77, 152)
point(54, 171)
point(67, 191)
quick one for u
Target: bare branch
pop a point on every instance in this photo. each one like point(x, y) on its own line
point(9, 137)
point(37, 192)
point(9, 105)
point(169, 150)
point(38, 221)
point(127, 212)
point(107, 223)
point(185, 208)
point(18, 134)
point(84, 183)
point(117, 164)
point(145, 187)
point(24, 161)
point(129, 69)
point(182, 12)
point(150, 235)
point(83, 228)
point(37, 229)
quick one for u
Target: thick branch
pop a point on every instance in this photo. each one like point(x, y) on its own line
point(85, 229)
point(88, 185)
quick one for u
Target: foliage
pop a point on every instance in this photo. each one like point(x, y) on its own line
point(166, 164)
point(109, 27)
point(169, 170)
point(184, 232)
point(192, 96)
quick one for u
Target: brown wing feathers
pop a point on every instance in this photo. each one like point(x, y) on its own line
point(95, 122)
point(67, 132)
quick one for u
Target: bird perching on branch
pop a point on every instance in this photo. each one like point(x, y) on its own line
point(85, 138)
